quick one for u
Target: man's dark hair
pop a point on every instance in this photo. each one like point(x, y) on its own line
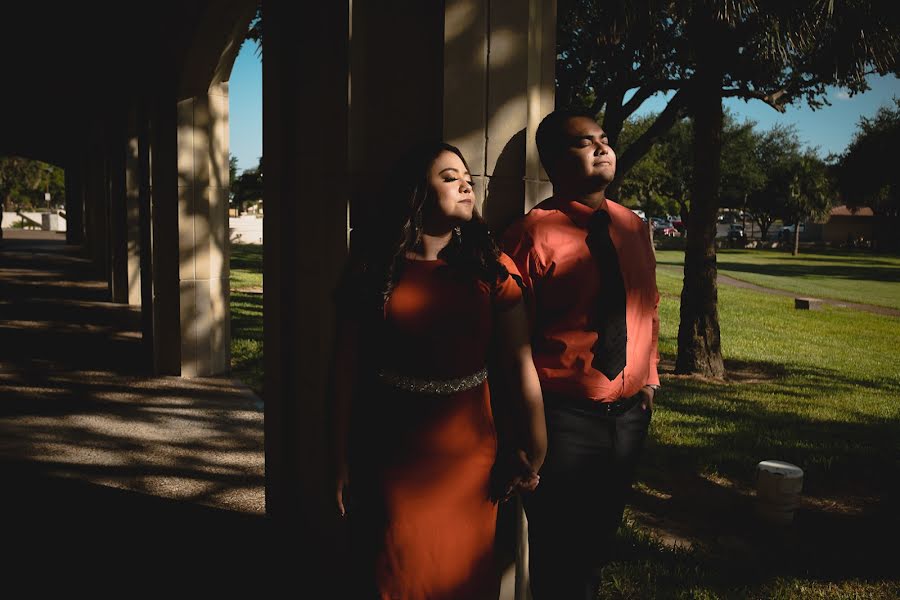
point(551, 141)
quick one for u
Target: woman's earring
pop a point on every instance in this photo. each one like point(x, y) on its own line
point(457, 232)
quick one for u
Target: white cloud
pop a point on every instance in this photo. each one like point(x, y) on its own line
point(843, 96)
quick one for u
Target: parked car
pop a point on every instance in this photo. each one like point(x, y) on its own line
point(787, 232)
point(736, 235)
point(659, 222)
point(667, 231)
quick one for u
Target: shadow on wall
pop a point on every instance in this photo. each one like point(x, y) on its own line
point(505, 194)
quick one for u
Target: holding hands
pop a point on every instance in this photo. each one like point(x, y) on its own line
point(513, 473)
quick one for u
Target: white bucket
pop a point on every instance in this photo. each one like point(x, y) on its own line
point(778, 486)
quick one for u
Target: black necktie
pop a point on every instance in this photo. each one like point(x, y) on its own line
point(609, 351)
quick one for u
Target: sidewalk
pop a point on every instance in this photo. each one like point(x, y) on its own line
point(878, 310)
point(102, 463)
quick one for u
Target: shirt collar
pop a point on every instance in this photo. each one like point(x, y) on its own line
point(579, 213)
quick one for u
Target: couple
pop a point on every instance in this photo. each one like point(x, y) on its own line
point(428, 302)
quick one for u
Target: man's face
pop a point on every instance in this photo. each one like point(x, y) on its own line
point(587, 156)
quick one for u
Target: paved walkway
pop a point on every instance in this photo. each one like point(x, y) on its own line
point(878, 310)
point(101, 462)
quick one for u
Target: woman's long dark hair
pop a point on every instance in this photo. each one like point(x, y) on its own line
point(379, 247)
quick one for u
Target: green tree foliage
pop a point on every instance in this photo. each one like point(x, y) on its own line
point(232, 170)
point(660, 182)
point(867, 171)
point(247, 187)
point(23, 183)
point(810, 191)
point(255, 31)
point(777, 151)
point(616, 54)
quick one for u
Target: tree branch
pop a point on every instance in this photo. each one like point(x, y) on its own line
point(776, 100)
point(673, 112)
point(645, 91)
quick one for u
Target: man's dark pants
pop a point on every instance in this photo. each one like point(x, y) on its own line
point(574, 513)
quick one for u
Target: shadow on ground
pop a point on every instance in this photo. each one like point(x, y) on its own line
point(697, 491)
point(110, 474)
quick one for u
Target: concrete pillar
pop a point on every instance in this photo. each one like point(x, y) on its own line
point(499, 82)
point(477, 73)
point(118, 217)
point(96, 205)
point(145, 238)
point(305, 131)
point(133, 211)
point(541, 94)
point(164, 231)
point(74, 203)
point(499, 60)
point(203, 232)
point(392, 108)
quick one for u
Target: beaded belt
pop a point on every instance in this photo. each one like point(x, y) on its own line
point(433, 386)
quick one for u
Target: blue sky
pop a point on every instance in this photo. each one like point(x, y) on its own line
point(245, 110)
point(828, 129)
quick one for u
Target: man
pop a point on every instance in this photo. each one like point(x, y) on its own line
point(591, 273)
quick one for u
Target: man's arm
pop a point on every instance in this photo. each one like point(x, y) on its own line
point(652, 383)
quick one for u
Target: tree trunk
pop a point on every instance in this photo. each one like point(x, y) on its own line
point(699, 345)
point(796, 250)
point(764, 225)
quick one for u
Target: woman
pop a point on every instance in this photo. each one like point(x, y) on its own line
point(426, 300)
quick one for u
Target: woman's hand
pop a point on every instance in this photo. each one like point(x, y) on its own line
point(513, 474)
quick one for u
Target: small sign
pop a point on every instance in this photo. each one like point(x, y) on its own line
point(47, 196)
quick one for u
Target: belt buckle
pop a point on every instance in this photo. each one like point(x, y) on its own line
point(619, 407)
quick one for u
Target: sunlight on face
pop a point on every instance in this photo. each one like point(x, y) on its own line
point(588, 154)
point(452, 186)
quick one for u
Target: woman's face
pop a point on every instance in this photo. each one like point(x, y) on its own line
point(452, 186)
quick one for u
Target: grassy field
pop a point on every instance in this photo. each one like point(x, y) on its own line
point(247, 315)
point(820, 389)
point(851, 276)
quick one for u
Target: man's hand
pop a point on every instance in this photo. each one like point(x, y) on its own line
point(648, 393)
point(513, 474)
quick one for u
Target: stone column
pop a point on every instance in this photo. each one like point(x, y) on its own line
point(118, 218)
point(305, 131)
point(164, 233)
point(499, 82)
point(478, 73)
point(95, 203)
point(396, 89)
point(133, 211)
point(99, 197)
point(499, 60)
point(74, 203)
point(145, 238)
point(541, 94)
point(203, 232)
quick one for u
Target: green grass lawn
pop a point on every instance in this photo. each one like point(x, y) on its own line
point(820, 389)
point(247, 315)
point(851, 276)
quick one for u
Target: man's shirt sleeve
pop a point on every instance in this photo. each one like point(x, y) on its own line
point(518, 245)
